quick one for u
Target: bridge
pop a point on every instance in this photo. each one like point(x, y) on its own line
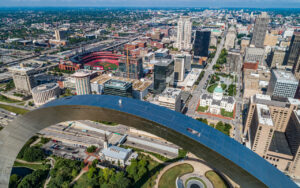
point(234, 160)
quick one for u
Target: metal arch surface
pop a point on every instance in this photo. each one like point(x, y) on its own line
point(223, 153)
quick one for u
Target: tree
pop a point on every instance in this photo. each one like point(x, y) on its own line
point(34, 154)
point(92, 172)
point(74, 173)
point(14, 180)
point(91, 149)
point(33, 180)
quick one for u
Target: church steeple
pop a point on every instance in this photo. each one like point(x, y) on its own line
point(105, 145)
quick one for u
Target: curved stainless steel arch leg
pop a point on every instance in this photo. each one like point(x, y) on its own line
point(236, 161)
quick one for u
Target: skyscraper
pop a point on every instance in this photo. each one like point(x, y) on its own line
point(260, 28)
point(82, 82)
point(23, 78)
point(294, 49)
point(135, 67)
point(201, 44)
point(179, 69)
point(60, 34)
point(184, 33)
point(163, 74)
point(294, 54)
point(282, 84)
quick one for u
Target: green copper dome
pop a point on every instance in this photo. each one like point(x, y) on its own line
point(218, 89)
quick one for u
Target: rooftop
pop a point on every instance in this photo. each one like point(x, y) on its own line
point(170, 92)
point(44, 87)
point(264, 115)
point(284, 76)
point(81, 73)
point(116, 152)
point(117, 84)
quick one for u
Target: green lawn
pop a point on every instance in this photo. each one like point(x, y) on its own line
point(31, 166)
point(202, 109)
point(13, 109)
point(107, 123)
point(212, 87)
point(8, 100)
point(168, 179)
point(226, 114)
point(216, 180)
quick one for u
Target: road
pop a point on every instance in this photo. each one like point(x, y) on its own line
point(201, 88)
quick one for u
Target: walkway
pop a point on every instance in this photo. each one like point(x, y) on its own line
point(78, 176)
point(26, 162)
point(153, 157)
point(52, 162)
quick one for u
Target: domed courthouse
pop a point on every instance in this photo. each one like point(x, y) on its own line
point(217, 101)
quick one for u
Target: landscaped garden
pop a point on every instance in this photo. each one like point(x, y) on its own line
point(216, 180)
point(168, 179)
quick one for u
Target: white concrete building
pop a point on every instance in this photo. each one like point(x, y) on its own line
point(217, 101)
point(184, 33)
point(45, 93)
point(117, 155)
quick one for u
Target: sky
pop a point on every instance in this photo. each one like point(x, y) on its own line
point(153, 3)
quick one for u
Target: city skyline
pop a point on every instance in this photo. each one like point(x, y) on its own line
point(154, 3)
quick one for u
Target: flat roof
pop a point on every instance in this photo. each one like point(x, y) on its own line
point(264, 115)
point(285, 76)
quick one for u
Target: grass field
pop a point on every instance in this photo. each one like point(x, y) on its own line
point(168, 179)
point(8, 100)
point(215, 179)
point(14, 109)
point(31, 166)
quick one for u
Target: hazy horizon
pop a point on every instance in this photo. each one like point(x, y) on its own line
point(154, 3)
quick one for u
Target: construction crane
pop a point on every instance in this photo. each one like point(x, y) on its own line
point(127, 63)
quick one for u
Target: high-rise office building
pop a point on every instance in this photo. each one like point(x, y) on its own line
point(23, 78)
point(294, 49)
point(201, 43)
point(171, 98)
point(260, 28)
point(280, 108)
point(60, 34)
point(294, 54)
point(82, 82)
point(184, 33)
point(163, 74)
point(272, 131)
point(118, 88)
point(277, 56)
point(179, 69)
point(135, 65)
point(282, 84)
point(230, 38)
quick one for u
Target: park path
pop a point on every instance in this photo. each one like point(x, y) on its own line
point(154, 158)
point(35, 142)
point(78, 176)
point(52, 162)
point(26, 162)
